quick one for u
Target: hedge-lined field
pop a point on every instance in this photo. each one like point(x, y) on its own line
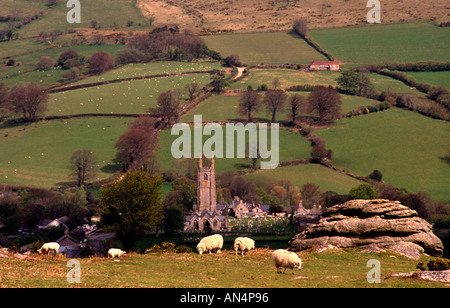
point(274, 48)
point(408, 148)
point(406, 42)
point(38, 154)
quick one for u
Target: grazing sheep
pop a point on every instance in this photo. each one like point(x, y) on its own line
point(243, 244)
point(49, 246)
point(283, 258)
point(116, 253)
point(210, 243)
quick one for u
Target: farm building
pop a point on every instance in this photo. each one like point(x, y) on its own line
point(324, 66)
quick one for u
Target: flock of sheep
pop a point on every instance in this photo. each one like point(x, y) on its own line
point(281, 258)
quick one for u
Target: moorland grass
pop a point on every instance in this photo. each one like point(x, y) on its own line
point(340, 269)
point(408, 148)
point(406, 42)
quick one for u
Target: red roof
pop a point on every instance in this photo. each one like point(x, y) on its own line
point(325, 63)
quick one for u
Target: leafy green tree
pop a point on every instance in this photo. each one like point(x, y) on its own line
point(349, 81)
point(132, 206)
point(363, 191)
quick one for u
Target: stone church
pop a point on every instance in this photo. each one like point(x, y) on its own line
point(207, 215)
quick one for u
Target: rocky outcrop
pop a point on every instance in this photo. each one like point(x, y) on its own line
point(371, 223)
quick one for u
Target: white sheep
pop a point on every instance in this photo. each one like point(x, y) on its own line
point(243, 244)
point(283, 258)
point(210, 243)
point(116, 253)
point(49, 246)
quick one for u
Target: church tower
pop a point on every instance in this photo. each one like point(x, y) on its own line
point(206, 187)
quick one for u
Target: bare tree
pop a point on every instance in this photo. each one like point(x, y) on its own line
point(192, 88)
point(28, 99)
point(300, 27)
point(274, 101)
point(327, 103)
point(83, 165)
point(100, 62)
point(298, 104)
point(249, 102)
point(168, 107)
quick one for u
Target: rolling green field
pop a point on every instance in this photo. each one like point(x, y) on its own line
point(274, 48)
point(38, 154)
point(409, 149)
point(409, 42)
point(124, 97)
point(225, 108)
point(434, 78)
point(335, 269)
point(325, 178)
point(292, 146)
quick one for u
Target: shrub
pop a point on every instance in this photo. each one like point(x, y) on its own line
point(100, 62)
point(438, 264)
point(183, 249)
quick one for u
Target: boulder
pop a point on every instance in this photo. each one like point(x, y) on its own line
point(371, 223)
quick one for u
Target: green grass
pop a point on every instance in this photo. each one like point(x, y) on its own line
point(38, 154)
point(264, 48)
point(324, 177)
point(124, 97)
point(225, 108)
point(341, 269)
point(292, 146)
point(434, 78)
point(409, 42)
point(409, 149)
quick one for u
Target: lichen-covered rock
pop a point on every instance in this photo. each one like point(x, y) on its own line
point(361, 223)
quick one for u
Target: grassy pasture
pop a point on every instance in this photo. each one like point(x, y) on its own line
point(38, 154)
point(324, 177)
point(434, 78)
point(225, 108)
point(343, 268)
point(409, 149)
point(124, 97)
point(412, 42)
point(264, 48)
point(292, 146)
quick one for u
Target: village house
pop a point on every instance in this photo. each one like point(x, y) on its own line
point(306, 217)
point(324, 66)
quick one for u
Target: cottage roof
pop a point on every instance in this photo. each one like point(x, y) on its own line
point(325, 63)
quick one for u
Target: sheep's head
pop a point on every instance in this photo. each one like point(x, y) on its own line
point(298, 266)
point(201, 247)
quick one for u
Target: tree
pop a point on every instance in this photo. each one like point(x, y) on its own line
point(233, 60)
point(274, 101)
point(363, 191)
point(298, 104)
point(132, 206)
point(218, 82)
point(68, 59)
point(327, 103)
point(168, 107)
point(45, 63)
point(28, 99)
point(249, 102)
point(83, 165)
point(310, 195)
point(348, 81)
point(376, 175)
point(100, 62)
point(136, 146)
point(300, 27)
point(192, 89)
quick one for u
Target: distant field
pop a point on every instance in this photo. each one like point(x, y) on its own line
point(124, 97)
point(38, 154)
point(401, 43)
point(434, 78)
point(225, 107)
point(326, 178)
point(407, 148)
point(264, 48)
point(292, 146)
